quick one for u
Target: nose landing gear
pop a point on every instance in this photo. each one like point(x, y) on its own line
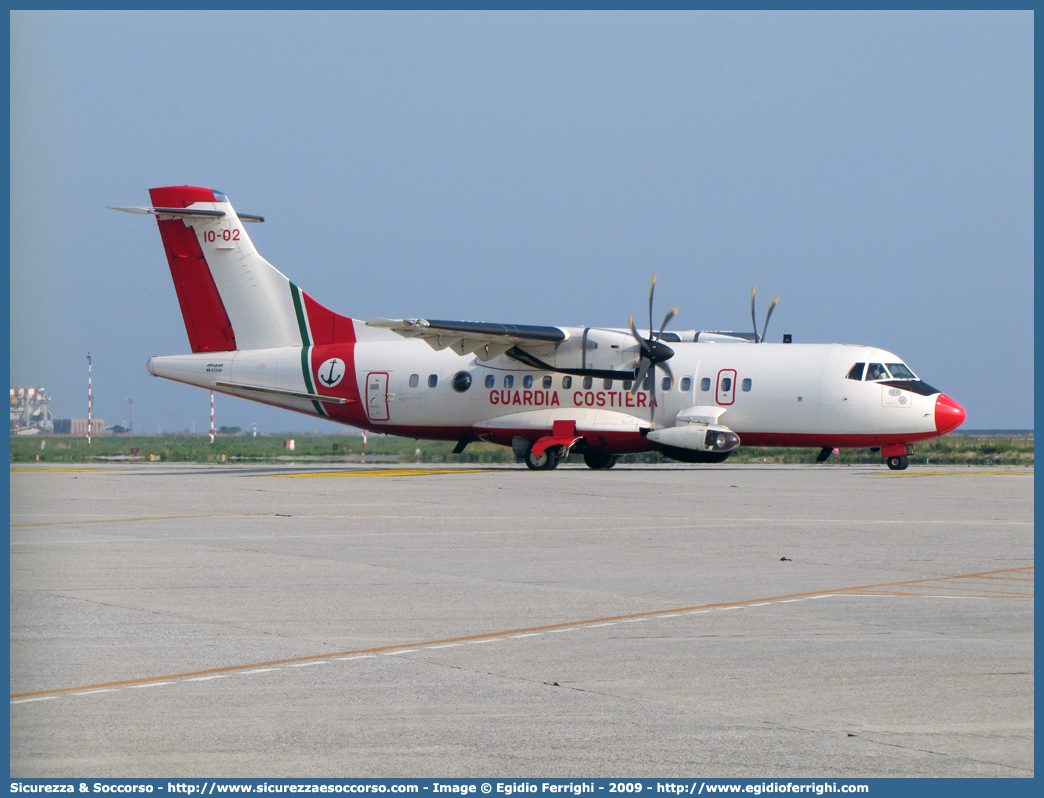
point(898, 463)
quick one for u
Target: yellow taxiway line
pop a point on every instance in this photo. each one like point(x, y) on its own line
point(657, 518)
point(69, 470)
point(957, 474)
point(148, 518)
point(390, 472)
point(402, 647)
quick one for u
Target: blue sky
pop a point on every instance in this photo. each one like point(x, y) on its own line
point(874, 169)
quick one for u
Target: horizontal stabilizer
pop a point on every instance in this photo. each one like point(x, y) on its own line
point(185, 213)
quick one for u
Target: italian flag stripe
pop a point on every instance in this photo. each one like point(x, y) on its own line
point(306, 341)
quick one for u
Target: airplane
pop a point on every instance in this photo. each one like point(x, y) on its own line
point(544, 391)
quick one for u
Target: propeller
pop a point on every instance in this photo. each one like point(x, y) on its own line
point(653, 352)
point(768, 316)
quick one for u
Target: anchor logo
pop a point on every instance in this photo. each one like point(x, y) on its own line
point(331, 372)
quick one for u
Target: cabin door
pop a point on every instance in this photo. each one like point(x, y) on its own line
point(377, 395)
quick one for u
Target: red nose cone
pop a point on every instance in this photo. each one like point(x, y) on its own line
point(948, 414)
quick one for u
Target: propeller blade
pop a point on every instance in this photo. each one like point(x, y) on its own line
point(641, 341)
point(652, 288)
point(667, 318)
point(640, 376)
point(752, 319)
point(667, 368)
point(652, 398)
point(768, 316)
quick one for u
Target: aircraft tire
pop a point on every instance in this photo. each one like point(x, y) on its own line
point(599, 460)
point(898, 463)
point(545, 462)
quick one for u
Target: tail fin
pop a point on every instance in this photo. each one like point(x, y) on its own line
point(231, 297)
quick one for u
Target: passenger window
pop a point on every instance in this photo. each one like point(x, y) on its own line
point(607, 384)
point(686, 384)
point(490, 380)
point(567, 382)
point(627, 384)
point(527, 381)
point(433, 380)
point(547, 382)
point(745, 385)
point(901, 372)
point(588, 382)
point(647, 382)
point(509, 380)
point(666, 383)
point(414, 380)
point(726, 384)
point(705, 384)
point(856, 372)
point(876, 371)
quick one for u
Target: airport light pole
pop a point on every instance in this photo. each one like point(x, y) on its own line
point(90, 414)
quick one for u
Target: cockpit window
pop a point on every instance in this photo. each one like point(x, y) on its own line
point(856, 372)
point(876, 371)
point(901, 372)
point(219, 197)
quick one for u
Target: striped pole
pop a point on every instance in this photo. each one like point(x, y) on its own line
point(90, 400)
point(211, 416)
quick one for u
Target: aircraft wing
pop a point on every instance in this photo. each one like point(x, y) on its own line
point(482, 339)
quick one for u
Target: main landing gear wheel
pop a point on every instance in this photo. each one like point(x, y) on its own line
point(898, 463)
point(598, 460)
point(545, 462)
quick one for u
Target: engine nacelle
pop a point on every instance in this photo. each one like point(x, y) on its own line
point(596, 348)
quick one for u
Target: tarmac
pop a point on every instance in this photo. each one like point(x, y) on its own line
point(649, 621)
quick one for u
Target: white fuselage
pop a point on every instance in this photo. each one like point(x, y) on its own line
point(790, 394)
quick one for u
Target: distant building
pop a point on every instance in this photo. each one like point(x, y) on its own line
point(29, 413)
point(78, 426)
